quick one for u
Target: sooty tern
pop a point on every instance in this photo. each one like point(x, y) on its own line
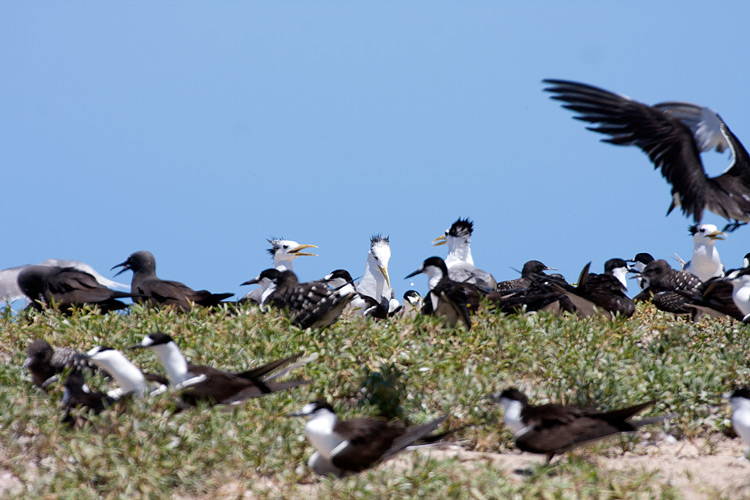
point(601, 292)
point(203, 382)
point(453, 301)
point(552, 429)
point(348, 446)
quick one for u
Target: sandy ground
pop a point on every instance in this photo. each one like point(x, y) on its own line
point(700, 469)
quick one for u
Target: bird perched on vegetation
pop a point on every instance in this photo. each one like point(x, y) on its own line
point(311, 304)
point(740, 280)
point(459, 261)
point(454, 302)
point(201, 382)
point(158, 292)
point(532, 291)
point(375, 296)
point(66, 287)
point(129, 377)
point(341, 281)
point(705, 263)
point(640, 261)
point(79, 395)
point(10, 291)
point(601, 292)
point(348, 446)
point(666, 284)
point(412, 304)
point(530, 268)
point(45, 362)
point(283, 252)
point(551, 429)
point(672, 134)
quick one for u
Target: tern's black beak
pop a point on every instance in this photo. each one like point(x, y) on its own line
point(124, 265)
point(137, 346)
point(253, 281)
point(418, 271)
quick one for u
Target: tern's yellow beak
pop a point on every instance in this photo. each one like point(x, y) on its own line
point(716, 235)
point(384, 271)
point(296, 251)
point(440, 241)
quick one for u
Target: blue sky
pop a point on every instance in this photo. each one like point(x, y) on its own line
point(197, 130)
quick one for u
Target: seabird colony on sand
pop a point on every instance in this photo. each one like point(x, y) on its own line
point(672, 134)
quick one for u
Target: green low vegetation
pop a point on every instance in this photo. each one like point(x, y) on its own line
point(409, 368)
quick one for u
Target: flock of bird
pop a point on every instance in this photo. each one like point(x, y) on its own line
point(672, 134)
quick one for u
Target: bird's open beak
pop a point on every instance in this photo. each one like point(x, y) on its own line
point(27, 363)
point(413, 274)
point(123, 265)
point(717, 235)
point(296, 251)
point(384, 271)
point(440, 240)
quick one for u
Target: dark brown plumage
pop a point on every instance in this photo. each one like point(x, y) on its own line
point(454, 302)
point(551, 429)
point(348, 446)
point(309, 305)
point(159, 292)
point(666, 283)
point(79, 396)
point(45, 362)
point(67, 287)
point(672, 134)
point(206, 383)
point(603, 293)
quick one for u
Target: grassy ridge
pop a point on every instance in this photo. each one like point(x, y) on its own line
point(411, 366)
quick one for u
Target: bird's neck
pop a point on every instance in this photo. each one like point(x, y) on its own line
point(128, 377)
point(459, 251)
point(319, 431)
point(741, 294)
point(373, 283)
point(283, 264)
point(512, 415)
point(621, 274)
point(174, 362)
